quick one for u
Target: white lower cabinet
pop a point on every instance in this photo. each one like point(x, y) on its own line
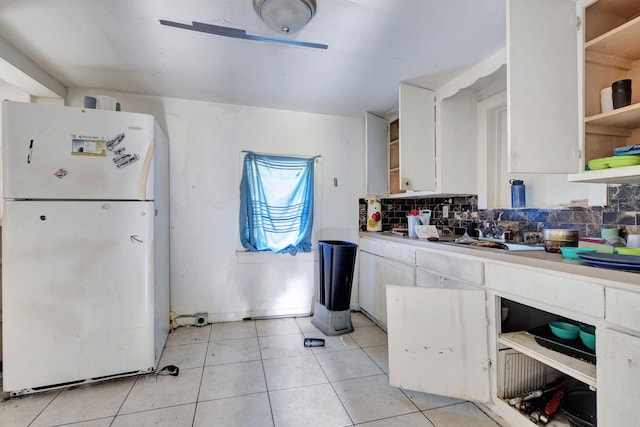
point(445, 270)
point(446, 335)
point(438, 341)
point(430, 279)
point(376, 272)
point(618, 378)
point(467, 330)
point(368, 297)
point(618, 348)
point(441, 342)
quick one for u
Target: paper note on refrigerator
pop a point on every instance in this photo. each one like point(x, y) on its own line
point(81, 146)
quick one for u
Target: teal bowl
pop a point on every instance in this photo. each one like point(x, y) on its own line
point(588, 336)
point(566, 331)
point(571, 252)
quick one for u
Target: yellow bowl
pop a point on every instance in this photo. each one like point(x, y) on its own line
point(629, 251)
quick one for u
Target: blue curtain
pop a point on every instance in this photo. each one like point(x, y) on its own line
point(276, 203)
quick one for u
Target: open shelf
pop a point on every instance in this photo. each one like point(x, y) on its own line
point(611, 53)
point(623, 175)
point(526, 344)
point(621, 42)
point(626, 117)
point(616, 7)
point(394, 158)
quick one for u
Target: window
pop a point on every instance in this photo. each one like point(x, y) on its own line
point(276, 203)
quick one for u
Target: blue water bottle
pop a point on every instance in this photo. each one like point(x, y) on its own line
point(517, 193)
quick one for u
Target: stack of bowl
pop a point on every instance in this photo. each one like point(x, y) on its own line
point(569, 331)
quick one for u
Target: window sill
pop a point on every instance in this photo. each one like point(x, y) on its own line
point(246, 257)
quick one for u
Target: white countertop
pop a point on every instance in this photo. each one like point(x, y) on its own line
point(536, 258)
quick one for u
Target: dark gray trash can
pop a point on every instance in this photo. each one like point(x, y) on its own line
point(336, 263)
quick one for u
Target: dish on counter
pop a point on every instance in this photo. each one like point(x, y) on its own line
point(612, 258)
point(629, 251)
point(616, 261)
point(571, 252)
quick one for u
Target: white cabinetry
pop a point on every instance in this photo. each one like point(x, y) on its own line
point(541, 86)
point(417, 138)
point(368, 297)
point(438, 130)
point(376, 155)
point(618, 347)
point(444, 161)
point(618, 378)
point(382, 263)
point(609, 52)
point(461, 267)
point(438, 342)
point(382, 156)
point(437, 330)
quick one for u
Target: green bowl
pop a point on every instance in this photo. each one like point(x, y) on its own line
point(588, 336)
point(564, 330)
point(571, 252)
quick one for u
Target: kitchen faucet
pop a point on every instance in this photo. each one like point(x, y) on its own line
point(493, 230)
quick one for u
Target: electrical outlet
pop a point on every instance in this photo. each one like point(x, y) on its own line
point(445, 211)
point(201, 319)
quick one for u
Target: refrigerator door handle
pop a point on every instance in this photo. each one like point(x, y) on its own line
point(30, 152)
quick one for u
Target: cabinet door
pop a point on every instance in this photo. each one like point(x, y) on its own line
point(417, 138)
point(438, 341)
point(392, 273)
point(367, 283)
point(457, 144)
point(375, 273)
point(618, 378)
point(542, 86)
point(376, 155)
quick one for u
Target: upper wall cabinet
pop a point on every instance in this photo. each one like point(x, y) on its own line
point(457, 125)
point(417, 138)
point(541, 86)
point(376, 155)
point(609, 51)
point(438, 147)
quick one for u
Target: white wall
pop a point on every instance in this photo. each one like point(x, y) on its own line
point(11, 93)
point(206, 140)
point(542, 190)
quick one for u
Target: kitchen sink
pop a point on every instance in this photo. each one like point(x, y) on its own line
point(510, 246)
point(523, 247)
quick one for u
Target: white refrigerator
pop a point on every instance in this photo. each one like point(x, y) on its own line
point(85, 245)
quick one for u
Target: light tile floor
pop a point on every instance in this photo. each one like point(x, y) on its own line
point(253, 373)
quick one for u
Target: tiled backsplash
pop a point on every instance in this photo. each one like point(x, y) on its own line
point(623, 211)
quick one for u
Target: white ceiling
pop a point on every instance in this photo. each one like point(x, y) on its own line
point(373, 45)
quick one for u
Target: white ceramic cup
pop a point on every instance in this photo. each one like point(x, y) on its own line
point(606, 100)
point(104, 102)
point(633, 241)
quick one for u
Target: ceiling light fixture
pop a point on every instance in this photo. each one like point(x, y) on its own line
point(285, 16)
